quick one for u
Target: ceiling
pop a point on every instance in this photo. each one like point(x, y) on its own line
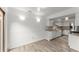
point(44, 12)
point(52, 10)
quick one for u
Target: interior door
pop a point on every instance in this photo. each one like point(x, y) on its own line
point(1, 30)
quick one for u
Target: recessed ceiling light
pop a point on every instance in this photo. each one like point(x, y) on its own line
point(38, 9)
point(66, 18)
point(22, 17)
point(72, 24)
point(37, 19)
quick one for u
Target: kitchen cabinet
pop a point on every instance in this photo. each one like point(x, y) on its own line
point(53, 35)
point(74, 41)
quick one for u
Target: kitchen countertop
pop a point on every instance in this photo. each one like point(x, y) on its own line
point(52, 30)
point(76, 34)
point(57, 28)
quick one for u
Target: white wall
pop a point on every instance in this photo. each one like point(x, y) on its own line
point(23, 32)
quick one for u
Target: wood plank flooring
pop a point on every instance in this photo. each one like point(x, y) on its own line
point(56, 45)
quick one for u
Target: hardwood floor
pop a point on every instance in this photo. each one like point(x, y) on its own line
point(56, 45)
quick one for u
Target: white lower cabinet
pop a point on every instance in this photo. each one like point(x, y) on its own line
point(52, 35)
point(73, 41)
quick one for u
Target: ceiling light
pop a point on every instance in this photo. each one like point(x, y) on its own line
point(66, 18)
point(37, 19)
point(72, 24)
point(22, 17)
point(38, 9)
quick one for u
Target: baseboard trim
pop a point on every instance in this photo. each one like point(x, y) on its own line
point(24, 44)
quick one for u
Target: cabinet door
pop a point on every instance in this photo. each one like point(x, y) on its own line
point(53, 34)
point(57, 34)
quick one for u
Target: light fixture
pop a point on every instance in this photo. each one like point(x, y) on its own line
point(66, 18)
point(38, 9)
point(22, 17)
point(37, 19)
point(72, 24)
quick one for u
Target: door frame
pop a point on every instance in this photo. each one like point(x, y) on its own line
point(2, 32)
